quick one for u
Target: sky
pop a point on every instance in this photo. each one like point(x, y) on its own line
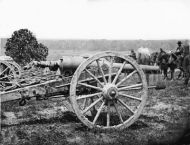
point(97, 19)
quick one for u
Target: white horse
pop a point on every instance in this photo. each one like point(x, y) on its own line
point(143, 56)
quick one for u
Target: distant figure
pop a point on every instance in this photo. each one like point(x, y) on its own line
point(133, 55)
point(186, 48)
point(143, 56)
point(186, 62)
point(187, 69)
point(179, 50)
point(179, 54)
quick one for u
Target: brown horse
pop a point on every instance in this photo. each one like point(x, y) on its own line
point(162, 62)
point(172, 63)
point(154, 58)
point(169, 61)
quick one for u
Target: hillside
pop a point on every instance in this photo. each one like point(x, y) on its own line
point(58, 48)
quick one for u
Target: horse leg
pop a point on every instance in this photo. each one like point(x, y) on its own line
point(187, 77)
point(165, 73)
point(172, 74)
point(183, 73)
point(179, 75)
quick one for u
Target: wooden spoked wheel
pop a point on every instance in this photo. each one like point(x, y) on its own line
point(7, 76)
point(16, 68)
point(114, 99)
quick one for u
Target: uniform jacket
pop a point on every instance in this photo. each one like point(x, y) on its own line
point(179, 50)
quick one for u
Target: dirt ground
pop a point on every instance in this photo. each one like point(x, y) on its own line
point(165, 120)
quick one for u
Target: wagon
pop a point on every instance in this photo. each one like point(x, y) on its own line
point(104, 94)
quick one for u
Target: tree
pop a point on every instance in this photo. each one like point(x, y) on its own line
point(23, 47)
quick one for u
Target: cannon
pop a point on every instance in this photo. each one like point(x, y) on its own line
point(104, 94)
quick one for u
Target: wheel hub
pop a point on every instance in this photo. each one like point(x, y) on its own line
point(110, 92)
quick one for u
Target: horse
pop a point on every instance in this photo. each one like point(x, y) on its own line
point(172, 63)
point(167, 61)
point(162, 62)
point(153, 58)
point(143, 56)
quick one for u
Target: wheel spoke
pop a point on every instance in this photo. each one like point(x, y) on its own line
point(84, 103)
point(2, 86)
point(118, 113)
point(101, 71)
point(9, 87)
point(130, 89)
point(93, 76)
point(88, 96)
point(127, 77)
point(7, 82)
point(108, 114)
point(4, 71)
point(126, 106)
point(127, 88)
point(98, 113)
point(7, 76)
point(90, 86)
point(119, 72)
point(92, 105)
point(4, 77)
point(110, 70)
point(131, 97)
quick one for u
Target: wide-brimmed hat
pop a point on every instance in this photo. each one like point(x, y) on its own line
point(179, 42)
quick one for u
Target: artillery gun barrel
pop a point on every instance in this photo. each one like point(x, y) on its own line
point(75, 61)
point(72, 62)
point(130, 67)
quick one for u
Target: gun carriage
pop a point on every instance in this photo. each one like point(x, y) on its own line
point(104, 94)
point(9, 71)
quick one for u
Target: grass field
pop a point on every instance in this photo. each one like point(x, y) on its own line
point(49, 122)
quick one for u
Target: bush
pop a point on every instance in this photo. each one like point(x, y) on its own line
point(23, 47)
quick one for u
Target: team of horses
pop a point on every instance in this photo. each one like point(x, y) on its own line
point(167, 61)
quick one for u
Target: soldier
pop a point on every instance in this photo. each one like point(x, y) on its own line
point(186, 62)
point(186, 48)
point(133, 54)
point(179, 53)
point(179, 50)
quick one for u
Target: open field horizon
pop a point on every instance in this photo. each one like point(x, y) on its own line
point(58, 48)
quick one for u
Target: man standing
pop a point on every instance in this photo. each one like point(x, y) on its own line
point(186, 48)
point(186, 62)
point(179, 53)
point(179, 50)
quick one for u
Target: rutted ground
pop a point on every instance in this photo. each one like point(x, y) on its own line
point(164, 120)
